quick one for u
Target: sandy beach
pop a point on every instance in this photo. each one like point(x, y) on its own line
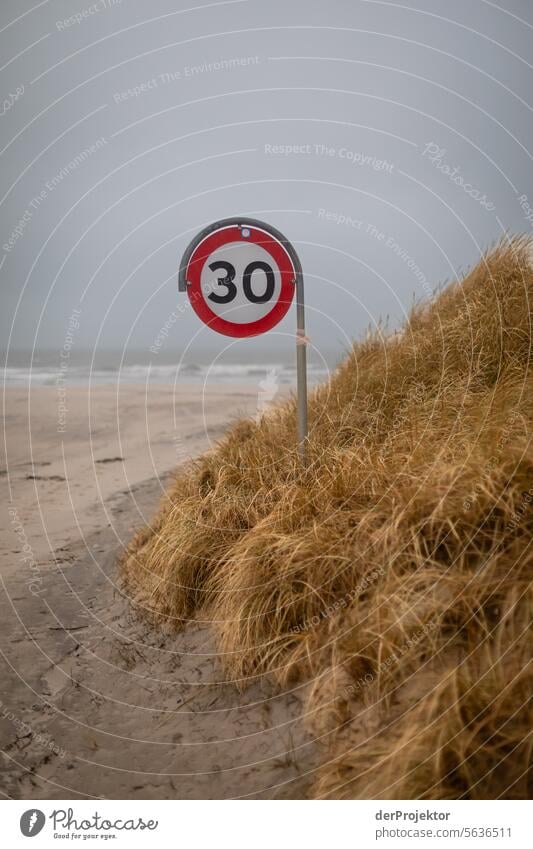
point(94, 703)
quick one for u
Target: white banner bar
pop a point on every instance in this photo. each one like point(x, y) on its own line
point(264, 825)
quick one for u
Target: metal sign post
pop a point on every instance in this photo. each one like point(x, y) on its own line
point(301, 367)
point(240, 275)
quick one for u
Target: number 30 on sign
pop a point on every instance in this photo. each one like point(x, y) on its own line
point(240, 276)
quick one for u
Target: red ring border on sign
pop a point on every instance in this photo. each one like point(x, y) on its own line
point(215, 240)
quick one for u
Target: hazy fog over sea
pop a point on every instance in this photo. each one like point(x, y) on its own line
point(379, 138)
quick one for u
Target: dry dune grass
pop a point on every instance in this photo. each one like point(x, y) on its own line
point(394, 573)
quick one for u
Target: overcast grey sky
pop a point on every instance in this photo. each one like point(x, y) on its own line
point(389, 141)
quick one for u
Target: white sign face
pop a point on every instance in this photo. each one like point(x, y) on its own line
point(240, 282)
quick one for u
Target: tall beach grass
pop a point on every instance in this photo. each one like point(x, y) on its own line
point(390, 578)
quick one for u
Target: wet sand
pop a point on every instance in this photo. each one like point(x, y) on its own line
point(95, 703)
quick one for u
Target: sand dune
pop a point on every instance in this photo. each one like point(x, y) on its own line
point(393, 573)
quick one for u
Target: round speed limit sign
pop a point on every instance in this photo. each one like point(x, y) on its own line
point(240, 276)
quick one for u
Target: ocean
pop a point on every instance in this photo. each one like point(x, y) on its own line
point(50, 369)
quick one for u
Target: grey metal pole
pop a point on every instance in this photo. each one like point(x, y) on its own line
point(301, 368)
